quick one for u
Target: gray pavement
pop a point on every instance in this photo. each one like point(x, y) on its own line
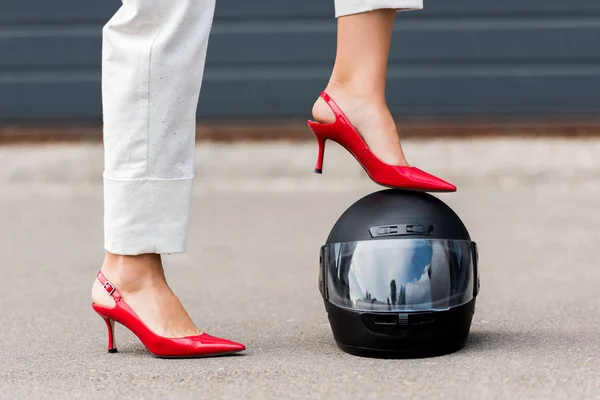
point(250, 274)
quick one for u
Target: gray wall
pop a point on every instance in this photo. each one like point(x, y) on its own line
point(272, 57)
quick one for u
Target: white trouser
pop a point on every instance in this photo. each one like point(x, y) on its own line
point(348, 7)
point(152, 67)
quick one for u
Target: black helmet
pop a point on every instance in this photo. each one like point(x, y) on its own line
point(399, 277)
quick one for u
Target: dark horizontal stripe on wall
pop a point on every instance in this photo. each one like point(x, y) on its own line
point(428, 96)
point(43, 11)
point(293, 8)
point(520, 44)
point(240, 74)
point(52, 50)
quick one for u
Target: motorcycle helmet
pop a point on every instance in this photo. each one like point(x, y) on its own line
point(399, 277)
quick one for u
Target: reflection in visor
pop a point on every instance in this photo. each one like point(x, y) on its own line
point(399, 275)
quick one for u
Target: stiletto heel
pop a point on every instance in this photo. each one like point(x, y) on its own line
point(112, 344)
point(394, 176)
point(203, 345)
point(321, 156)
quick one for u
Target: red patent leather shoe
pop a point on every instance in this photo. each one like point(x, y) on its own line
point(197, 346)
point(398, 177)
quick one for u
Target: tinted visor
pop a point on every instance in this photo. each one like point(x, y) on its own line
point(398, 275)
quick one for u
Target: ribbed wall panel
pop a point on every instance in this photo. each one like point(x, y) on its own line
point(271, 58)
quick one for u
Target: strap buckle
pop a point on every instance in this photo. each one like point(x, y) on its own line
point(110, 289)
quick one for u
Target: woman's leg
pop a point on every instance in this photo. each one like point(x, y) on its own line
point(358, 79)
point(152, 68)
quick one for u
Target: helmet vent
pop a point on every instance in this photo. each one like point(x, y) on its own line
point(400, 230)
point(418, 319)
point(384, 319)
point(402, 319)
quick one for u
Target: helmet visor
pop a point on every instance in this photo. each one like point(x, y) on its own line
point(398, 275)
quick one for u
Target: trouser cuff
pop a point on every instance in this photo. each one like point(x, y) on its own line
point(146, 215)
point(349, 7)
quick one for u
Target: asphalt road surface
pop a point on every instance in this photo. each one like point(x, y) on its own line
point(250, 274)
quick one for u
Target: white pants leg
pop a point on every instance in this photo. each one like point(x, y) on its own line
point(152, 67)
point(347, 7)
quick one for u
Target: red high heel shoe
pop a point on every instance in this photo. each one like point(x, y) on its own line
point(398, 177)
point(197, 346)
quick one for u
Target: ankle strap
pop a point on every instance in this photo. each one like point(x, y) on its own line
point(337, 111)
point(109, 287)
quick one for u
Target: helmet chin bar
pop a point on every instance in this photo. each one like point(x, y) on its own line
point(387, 335)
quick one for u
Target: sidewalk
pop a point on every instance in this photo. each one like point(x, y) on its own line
point(267, 165)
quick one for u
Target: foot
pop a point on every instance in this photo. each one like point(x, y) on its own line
point(142, 283)
point(370, 116)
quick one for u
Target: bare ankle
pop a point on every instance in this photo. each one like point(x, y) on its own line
point(368, 112)
point(355, 88)
point(354, 105)
point(126, 271)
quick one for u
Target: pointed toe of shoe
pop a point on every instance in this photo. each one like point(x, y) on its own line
point(237, 347)
point(229, 347)
point(448, 187)
point(203, 345)
point(421, 180)
point(221, 345)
